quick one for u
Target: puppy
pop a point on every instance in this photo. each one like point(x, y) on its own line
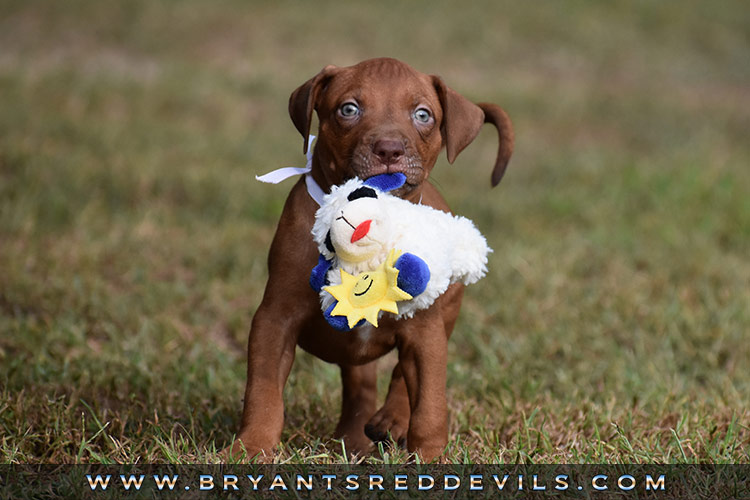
point(379, 116)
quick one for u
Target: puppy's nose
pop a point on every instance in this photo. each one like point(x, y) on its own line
point(388, 150)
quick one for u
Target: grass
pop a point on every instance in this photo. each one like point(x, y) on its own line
point(613, 326)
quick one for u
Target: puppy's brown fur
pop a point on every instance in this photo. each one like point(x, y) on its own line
point(388, 133)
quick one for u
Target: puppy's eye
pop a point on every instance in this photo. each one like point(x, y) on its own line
point(348, 109)
point(422, 115)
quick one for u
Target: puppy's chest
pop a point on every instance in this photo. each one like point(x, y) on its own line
point(364, 335)
point(367, 343)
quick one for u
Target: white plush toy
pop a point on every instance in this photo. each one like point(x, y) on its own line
point(380, 253)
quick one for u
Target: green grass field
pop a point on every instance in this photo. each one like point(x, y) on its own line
point(614, 325)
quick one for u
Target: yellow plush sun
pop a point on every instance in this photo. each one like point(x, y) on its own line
point(370, 292)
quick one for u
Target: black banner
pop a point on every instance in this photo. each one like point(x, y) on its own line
point(376, 481)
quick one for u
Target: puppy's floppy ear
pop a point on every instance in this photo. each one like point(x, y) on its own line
point(303, 100)
point(462, 120)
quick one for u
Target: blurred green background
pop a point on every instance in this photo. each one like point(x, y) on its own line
point(613, 325)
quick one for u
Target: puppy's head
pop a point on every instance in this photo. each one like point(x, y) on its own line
point(382, 116)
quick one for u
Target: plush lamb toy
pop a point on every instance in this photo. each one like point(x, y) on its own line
point(380, 253)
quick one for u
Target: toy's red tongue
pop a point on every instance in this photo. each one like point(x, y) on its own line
point(361, 230)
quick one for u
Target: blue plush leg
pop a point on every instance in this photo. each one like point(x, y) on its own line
point(318, 274)
point(413, 274)
point(386, 182)
point(340, 323)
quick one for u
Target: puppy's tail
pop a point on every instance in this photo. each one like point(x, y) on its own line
point(495, 115)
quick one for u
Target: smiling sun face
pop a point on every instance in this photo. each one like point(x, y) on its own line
point(365, 295)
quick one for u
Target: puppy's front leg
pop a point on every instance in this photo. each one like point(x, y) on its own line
point(423, 356)
point(271, 349)
point(288, 304)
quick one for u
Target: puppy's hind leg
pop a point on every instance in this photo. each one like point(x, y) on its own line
point(359, 397)
point(393, 417)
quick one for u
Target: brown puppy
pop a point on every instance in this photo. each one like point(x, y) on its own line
point(375, 117)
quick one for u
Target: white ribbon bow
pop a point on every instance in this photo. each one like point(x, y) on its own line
point(281, 174)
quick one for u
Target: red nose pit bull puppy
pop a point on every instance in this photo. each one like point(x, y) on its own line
point(379, 116)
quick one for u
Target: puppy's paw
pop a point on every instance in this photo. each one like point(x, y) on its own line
point(238, 452)
point(357, 444)
point(388, 422)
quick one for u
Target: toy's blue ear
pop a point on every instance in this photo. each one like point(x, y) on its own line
point(386, 182)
